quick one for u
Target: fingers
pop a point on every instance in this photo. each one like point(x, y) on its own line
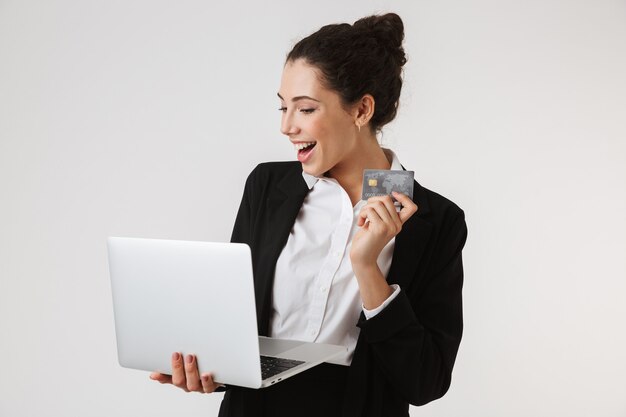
point(178, 371)
point(162, 378)
point(379, 219)
point(208, 385)
point(408, 206)
point(192, 375)
point(382, 209)
point(390, 213)
point(185, 375)
point(382, 213)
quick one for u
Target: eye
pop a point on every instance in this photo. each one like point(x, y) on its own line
point(306, 111)
point(283, 109)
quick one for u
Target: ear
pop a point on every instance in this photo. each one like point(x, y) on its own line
point(364, 110)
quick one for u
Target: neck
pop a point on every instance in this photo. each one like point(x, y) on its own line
point(349, 174)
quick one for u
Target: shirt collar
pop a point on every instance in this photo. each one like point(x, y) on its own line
point(391, 156)
point(309, 179)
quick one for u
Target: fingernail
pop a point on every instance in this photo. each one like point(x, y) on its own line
point(189, 358)
point(175, 356)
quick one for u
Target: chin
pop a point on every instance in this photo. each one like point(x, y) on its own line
point(312, 171)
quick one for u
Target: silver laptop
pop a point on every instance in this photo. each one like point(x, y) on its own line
point(198, 298)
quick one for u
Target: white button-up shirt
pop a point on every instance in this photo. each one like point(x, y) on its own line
point(316, 295)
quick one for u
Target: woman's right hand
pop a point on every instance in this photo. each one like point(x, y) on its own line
point(186, 375)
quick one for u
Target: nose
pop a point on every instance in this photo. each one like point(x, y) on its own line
point(287, 125)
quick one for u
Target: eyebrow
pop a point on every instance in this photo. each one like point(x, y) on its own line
point(298, 98)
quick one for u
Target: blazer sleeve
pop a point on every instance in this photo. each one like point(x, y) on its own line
point(415, 339)
point(244, 222)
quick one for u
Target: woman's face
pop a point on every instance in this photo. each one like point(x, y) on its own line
point(322, 131)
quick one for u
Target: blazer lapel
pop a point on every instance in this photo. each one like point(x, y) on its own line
point(282, 208)
point(410, 242)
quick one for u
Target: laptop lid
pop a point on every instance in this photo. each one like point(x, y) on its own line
point(198, 297)
point(190, 297)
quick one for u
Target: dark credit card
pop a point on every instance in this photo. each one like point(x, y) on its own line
point(377, 182)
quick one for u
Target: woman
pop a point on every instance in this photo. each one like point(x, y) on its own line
point(334, 269)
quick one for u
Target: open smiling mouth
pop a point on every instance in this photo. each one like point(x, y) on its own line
point(304, 150)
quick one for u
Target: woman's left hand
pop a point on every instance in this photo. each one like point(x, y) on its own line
point(379, 222)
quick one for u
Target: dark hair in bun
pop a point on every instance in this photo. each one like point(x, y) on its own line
point(363, 58)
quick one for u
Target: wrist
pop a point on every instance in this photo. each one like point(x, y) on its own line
point(373, 286)
point(365, 268)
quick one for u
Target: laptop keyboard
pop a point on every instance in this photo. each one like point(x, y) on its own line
point(273, 366)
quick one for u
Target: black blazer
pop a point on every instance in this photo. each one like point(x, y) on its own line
point(403, 355)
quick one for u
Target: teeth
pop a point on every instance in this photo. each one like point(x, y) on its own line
point(302, 145)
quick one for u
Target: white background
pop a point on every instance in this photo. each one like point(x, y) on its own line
point(143, 118)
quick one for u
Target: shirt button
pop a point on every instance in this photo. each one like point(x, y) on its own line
point(323, 288)
point(337, 254)
point(312, 332)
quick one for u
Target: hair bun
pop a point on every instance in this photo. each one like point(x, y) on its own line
point(387, 28)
